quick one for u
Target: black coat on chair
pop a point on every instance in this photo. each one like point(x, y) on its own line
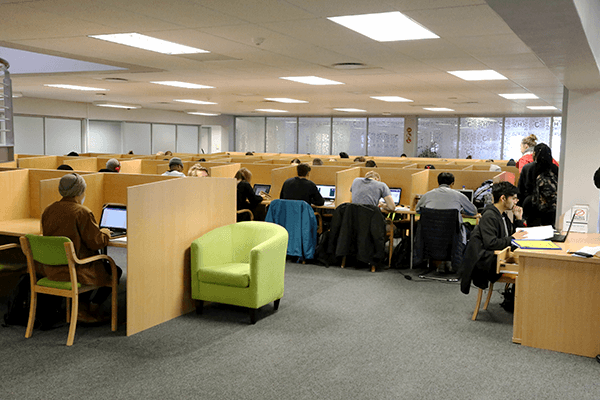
point(439, 237)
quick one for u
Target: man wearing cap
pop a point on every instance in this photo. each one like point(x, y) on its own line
point(175, 167)
point(112, 165)
point(69, 217)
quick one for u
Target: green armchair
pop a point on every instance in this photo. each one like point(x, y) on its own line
point(241, 264)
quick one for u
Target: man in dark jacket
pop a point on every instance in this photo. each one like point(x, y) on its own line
point(494, 232)
point(301, 188)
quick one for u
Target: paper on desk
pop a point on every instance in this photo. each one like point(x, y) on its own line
point(538, 232)
point(121, 239)
point(589, 250)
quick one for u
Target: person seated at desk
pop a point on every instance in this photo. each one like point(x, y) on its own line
point(445, 198)
point(198, 171)
point(69, 217)
point(370, 164)
point(317, 161)
point(64, 167)
point(246, 199)
point(175, 167)
point(494, 232)
point(112, 165)
point(301, 188)
point(370, 189)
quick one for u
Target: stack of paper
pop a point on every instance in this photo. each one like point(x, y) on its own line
point(538, 232)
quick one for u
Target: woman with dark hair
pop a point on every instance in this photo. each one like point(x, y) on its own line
point(538, 186)
point(246, 199)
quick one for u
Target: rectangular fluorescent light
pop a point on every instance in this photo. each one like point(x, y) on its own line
point(351, 110)
point(185, 85)
point(542, 108)
point(385, 27)
point(117, 105)
point(392, 99)
point(479, 75)
point(438, 109)
point(195, 101)
point(271, 110)
point(74, 87)
point(285, 100)
point(149, 43)
point(203, 113)
point(311, 80)
point(519, 96)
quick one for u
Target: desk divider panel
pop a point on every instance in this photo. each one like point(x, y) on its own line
point(81, 163)
point(505, 176)
point(396, 178)
point(343, 183)
point(14, 195)
point(45, 162)
point(37, 175)
point(278, 176)
point(468, 168)
point(158, 244)
point(420, 184)
point(9, 164)
point(261, 173)
point(93, 193)
point(411, 166)
point(325, 174)
point(131, 167)
point(468, 179)
point(224, 171)
point(115, 185)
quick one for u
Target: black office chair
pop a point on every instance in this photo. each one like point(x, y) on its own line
point(438, 238)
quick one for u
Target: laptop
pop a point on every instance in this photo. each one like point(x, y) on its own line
point(396, 194)
point(468, 193)
point(327, 192)
point(261, 188)
point(114, 217)
point(561, 238)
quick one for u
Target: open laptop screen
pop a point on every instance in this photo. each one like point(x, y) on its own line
point(114, 217)
point(396, 194)
point(261, 188)
point(468, 193)
point(327, 191)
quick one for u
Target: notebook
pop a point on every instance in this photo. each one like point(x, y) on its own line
point(327, 192)
point(396, 194)
point(261, 188)
point(468, 193)
point(114, 217)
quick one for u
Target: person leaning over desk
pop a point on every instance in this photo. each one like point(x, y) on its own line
point(370, 189)
point(494, 232)
point(301, 188)
point(69, 217)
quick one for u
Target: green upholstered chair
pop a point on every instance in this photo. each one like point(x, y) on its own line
point(58, 250)
point(241, 264)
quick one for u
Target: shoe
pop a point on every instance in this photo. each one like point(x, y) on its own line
point(85, 316)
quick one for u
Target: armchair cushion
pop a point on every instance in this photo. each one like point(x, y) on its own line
point(230, 274)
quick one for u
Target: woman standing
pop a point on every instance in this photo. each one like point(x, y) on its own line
point(527, 145)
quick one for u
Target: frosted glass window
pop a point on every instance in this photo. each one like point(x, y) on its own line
point(437, 137)
point(250, 134)
point(62, 136)
point(556, 137)
point(205, 142)
point(136, 138)
point(187, 139)
point(481, 138)
point(29, 135)
point(314, 135)
point(104, 137)
point(163, 138)
point(386, 137)
point(516, 129)
point(281, 135)
point(349, 135)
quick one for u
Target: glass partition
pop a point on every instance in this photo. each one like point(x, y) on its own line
point(386, 137)
point(437, 137)
point(250, 134)
point(281, 135)
point(349, 135)
point(517, 128)
point(314, 135)
point(480, 138)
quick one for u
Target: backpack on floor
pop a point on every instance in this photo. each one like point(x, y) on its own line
point(544, 192)
point(401, 254)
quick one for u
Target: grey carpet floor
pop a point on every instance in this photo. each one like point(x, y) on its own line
point(338, 334)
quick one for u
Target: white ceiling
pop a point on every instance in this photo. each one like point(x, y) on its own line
point(298, 40)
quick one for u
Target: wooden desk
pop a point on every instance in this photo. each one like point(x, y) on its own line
point(20, 227)
point(557, 299)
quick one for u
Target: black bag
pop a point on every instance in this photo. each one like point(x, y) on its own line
point(401, 254)
point(49, 309)
point(509, 299)
point(544, 192)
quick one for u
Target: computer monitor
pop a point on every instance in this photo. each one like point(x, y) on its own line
point(468, 193)
point(327, 191)
point(261, 188)
point(396, 194)
point(114, 217)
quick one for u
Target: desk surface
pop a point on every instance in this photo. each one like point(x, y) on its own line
point(20, 227)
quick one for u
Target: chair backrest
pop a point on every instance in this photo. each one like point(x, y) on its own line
point(49, 250)
point(438, 231)
point(298, 218)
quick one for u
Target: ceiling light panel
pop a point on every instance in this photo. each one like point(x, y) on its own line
point(194, 101)
point(542, 108)
point(392, 99)
point(311, 80)
point(285, 100)
point(185, 85)
point(75, 87)
point(479, 75)
point(117, 105)
point(271, 110)
point(441, 109)
point(203, 113)
point(149, 43)
point(350, 110)
point(519, 96)
point(385, 27)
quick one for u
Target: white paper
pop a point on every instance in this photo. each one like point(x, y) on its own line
point(538, 232)
point(589, 250)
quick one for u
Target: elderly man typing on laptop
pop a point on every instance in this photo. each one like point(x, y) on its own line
point(69, 217)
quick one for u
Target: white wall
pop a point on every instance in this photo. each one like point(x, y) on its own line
point(104, 137)
point(29, 135)
point(62, 136)
point(580, 155)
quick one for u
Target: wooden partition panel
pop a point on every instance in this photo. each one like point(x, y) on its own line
point(35, 176)
point(131, 167)
point(261, 173)
point(159, 239)
point(343, 183)
point(115, 185)
point(9, 164)
point(225, 171)
point(505, 176)
point(45, 162)
point(278, 176)
point(325, 174)
point(468, 179)
point(93, 193)
point(14, 195)
point(420, 184)
point(81, 163)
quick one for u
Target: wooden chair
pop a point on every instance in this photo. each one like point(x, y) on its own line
point(507, 264)
point(246, 211)
point(56, 250)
